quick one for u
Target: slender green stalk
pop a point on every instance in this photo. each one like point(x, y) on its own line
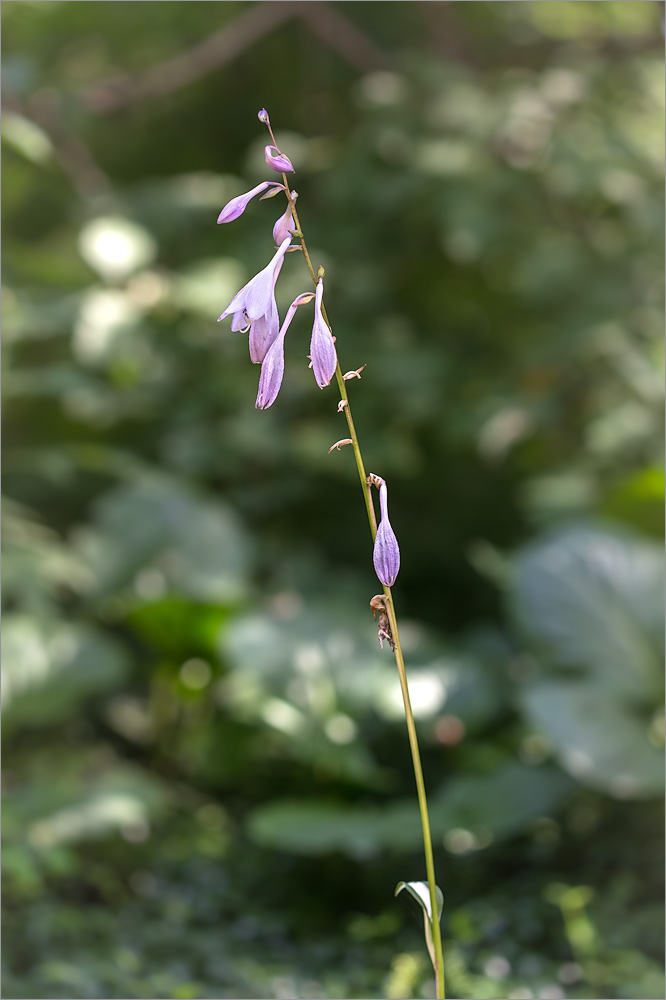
point(421, 792)
point(390, 609)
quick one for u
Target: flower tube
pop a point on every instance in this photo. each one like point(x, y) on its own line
point(272, 368)
point(265, 329)
point(386, 554)
point(322, 346)
point(254, 299)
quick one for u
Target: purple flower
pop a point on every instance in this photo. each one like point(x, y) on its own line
point(386, 554)
point(265, 329)
point(234, 208)
point(277, 160)
point(272, 368)
point(263, 116)
point(322, 346)
point(284, 223)
point(254, 299)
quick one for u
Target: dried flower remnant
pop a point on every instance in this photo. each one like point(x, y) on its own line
point(354, 374)
point(386, 554)
point(272, 368)
point(235, 208)
point(339, 444)
point(277, 160)
point(322, 347)
point(378, 606)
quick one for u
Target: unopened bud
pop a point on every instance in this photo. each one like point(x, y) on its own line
point(303, 299)
point(284, 225)
point(322, 346)
point(277, 160)
point(234, 208)
point(275, 189)
point(386, 554)
point(263, 116)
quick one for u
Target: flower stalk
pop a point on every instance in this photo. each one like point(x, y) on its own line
point(386, 554)
point(390, 610)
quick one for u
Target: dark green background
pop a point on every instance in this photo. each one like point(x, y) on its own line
point(208, 790)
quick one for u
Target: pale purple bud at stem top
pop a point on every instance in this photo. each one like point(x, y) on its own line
point(234, 208)
point(272, 368)
point(277, 160)
point(254, 299)
point(263, 116)
point(386, 554)
point(322, 346)
point(284, 224)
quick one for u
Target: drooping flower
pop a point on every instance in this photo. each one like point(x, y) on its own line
point(386, 554)
point(235, 208)
point(284, 223)
point(277, 160)
point(322, 346)
point(265, 329)
point(272, 368)
point(254, 299)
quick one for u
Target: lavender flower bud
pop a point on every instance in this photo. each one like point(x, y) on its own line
point(277, 160)
point(322, 346)
point(386, 554)
point(284, 224)
point(263, 116)
point(237, 205)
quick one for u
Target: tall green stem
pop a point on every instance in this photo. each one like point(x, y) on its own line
point(399, 658)
point(421, 792)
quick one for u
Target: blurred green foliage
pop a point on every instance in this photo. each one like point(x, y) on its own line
point(207, 784)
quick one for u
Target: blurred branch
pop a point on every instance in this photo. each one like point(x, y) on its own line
point(201, 59)
point(342, 35)
point(218, 49)
point(443, 30)
point(44, 108)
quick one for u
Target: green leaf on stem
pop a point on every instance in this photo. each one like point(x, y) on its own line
point(420, 892)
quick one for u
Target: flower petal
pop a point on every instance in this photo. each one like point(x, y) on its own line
point(265, 329)
point(255, 297)
point(272, 373)
point(262, 334)
point(272, 368)
point(239, 321)
point(322, 346)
